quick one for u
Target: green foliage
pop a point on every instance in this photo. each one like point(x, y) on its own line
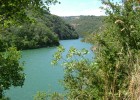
point(10, 70)
point(117, 49)
point(43, 30)
point(40, 96)
point(64, 31)
point(85, 25)
point(45, 96)
point(33, 35)
point(117, 52)
point(16, 10)
point(12, 14)
point(81, 75)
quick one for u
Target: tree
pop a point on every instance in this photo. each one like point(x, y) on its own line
point(11, 12)
point(117, 50)
point(12, 9)
point(10, 70)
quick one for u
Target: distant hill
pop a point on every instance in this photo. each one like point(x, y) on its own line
point(61, 28)
point(85, 24)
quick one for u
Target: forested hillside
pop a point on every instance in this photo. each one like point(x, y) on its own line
point(40, 29)
point(85, 25)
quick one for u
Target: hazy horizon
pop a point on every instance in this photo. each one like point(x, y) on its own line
point(77, 8)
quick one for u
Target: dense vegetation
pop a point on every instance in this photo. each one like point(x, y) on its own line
point(10, 70)
point(114, 73)
point(46, 30)
point(26, 24)
point(85, 25)
point(42, 30)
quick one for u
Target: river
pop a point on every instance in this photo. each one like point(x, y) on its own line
point(40, 74)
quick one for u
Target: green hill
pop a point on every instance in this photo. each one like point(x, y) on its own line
point(41, 29)
point(85, 24)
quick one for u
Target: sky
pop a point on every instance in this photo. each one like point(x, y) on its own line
point(77, 7)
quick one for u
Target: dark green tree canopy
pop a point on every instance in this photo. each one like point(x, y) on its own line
point(11, 11)
point(16, 8)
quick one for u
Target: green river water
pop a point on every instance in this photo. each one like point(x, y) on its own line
point(40, 74)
